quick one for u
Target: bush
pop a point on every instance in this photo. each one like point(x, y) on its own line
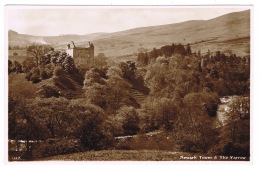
point(46, 91)
point(43, 74)
point(14, 67)
point(47, 73)
point(190, 146)
point(60, 147)
point(231, 149)
point(35, 78)
point(58, 71)
point(28, 64)
point(28, 76)
point(162, 111)
point(131, 125)
point(130, 120)
point(90, 124)
point(237, 149)
point(50, 66)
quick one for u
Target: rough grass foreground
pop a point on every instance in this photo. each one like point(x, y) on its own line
point(141, 155)
point(118, 155)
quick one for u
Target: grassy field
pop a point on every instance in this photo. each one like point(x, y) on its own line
point(20, 57)
point(120, 155)
point(142, 155)
point(19, 85)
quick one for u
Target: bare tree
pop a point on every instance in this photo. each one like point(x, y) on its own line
point(37, 51)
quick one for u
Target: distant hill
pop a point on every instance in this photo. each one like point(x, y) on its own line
point(229, 33)
point(61, 40)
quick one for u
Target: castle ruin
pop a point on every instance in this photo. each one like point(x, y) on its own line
point(82, 56)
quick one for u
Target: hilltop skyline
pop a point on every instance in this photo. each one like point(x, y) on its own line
point(54, 20)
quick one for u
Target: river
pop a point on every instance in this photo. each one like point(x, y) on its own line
point(224, 108)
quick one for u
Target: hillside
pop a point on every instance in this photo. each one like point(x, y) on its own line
point(22, 40)
point(212, 34)
point(66, 85)
point(229, 33)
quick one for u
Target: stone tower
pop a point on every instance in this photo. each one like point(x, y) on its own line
point(82, 55)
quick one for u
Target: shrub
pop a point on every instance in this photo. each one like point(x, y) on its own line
point(130, 120)
point(10, 66)
point(190, 146)
point(14, 67)
point(237, 149)
point(50, 66)
point(43, 74)
point(131, 125)
point(59, 147)
point(162, 111)
point(46, 91)
point(35, 78)
point(58, 71)
point(28, 64)
point(231, 149)
point(35, 70)
point(28, 76)
point(90, 124)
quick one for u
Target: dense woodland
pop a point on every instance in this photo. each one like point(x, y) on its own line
point(172, 90)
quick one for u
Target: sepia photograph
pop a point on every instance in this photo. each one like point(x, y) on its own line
point(128, 83)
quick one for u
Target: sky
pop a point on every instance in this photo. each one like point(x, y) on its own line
point(57, 20)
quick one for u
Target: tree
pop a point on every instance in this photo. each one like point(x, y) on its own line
point(188, 49)
point(37, 51)
point(15, 54)
point(55, 115)
point(68, 65)
point(153, 54)
point(117, 90)
point(143, 59)
point(94, 75)
point(28, 64)
point(45, 59)
point(128, 69)
point(239, 110)
point(130, 119)
point(10, 66)
point(14, 67)
point(199, 54)
point(179, 49)
point(23, 123)
point(155, 77)
point(101, 61)
point(162, 113)
point(58, 71)
point(167, 50)
point(194, 128)
point(47, 91)
point(235, 141)
point(89, 122)
point(96, 94)
point(45, 73)
point(33, 75)
point(94, 86)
